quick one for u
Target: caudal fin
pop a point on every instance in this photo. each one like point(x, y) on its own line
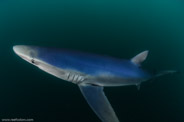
point(163, 73)
point(167, 72)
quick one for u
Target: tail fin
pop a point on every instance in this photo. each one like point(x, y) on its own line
point(163, 73)
point(167, 72)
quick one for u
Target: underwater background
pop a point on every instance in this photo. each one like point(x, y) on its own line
point(118, 28)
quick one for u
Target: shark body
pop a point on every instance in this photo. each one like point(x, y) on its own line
point(90, 72)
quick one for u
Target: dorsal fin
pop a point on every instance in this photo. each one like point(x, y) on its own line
point(139, 58)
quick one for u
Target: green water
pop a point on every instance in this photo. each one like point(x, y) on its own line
point(119, 28)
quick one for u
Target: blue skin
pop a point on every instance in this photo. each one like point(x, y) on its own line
point(90, 72)
point(90, 64)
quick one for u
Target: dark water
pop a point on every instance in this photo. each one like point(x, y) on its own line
point(119, 28)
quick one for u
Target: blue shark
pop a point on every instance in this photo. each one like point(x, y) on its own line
point(90, 72)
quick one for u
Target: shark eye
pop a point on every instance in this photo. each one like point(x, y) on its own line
point(33, 61)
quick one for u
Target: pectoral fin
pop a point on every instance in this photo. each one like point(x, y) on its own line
point(97, 100)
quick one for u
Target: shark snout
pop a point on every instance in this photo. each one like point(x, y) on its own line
point(18, 49)
point(21, 51)
point(25, 52)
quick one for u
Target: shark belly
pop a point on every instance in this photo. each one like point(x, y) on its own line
point(112, 81)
